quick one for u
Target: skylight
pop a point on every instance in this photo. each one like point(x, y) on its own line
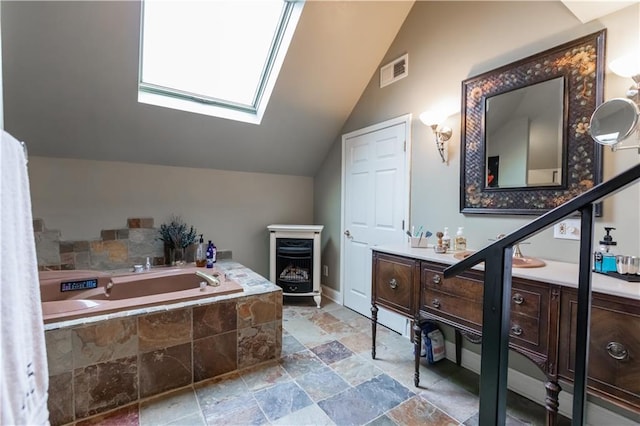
point(215, 57)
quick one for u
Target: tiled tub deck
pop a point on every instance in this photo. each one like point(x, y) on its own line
point(100, 363)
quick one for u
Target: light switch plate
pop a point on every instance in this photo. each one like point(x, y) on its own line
point(568, 229)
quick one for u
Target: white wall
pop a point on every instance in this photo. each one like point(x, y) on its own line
point(448, 42)
point(81, 197)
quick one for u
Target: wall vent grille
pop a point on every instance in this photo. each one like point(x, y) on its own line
point(394, 70)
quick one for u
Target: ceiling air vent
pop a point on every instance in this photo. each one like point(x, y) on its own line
point(394, 70)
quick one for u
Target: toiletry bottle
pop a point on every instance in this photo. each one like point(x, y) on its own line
point(446, 239)
point(147, 265)
point(604, 258)
point(201, 253)
point(215, 253)
point(210, 255)
point(460, 243)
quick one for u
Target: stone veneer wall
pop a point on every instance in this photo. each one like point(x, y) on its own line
point(115, 249)
point(102, 365)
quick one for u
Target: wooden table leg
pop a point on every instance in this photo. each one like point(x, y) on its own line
point(551, 402)
point(374, 322)
point(417, 346)
point(458, 347)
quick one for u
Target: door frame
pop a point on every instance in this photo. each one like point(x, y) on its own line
point(406, 119)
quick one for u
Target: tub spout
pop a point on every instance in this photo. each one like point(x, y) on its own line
point(213, 281)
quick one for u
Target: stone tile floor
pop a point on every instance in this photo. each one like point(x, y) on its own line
point(326, 377)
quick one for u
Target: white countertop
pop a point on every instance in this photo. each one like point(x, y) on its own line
point(560, 273)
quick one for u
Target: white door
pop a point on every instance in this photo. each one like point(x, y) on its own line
point(375, 204)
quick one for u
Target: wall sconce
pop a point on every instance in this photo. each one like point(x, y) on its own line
point(629, 66)
point(434, 119)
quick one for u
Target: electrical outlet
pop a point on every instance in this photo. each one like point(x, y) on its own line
point(325, 270)
point(568, 229)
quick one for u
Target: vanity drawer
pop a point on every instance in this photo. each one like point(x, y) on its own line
point(614, 345)
point(453, 308)
point(395, 283)
point(465, 287)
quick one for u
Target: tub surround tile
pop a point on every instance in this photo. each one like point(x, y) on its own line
point(281, 400)
point(256, 344)
point(60, 402)
point(108, 234)
point(125, 416)
point(122, 234)
point(59, 351)
point(160, 330)
point(80, 246)
point(215, 355)
point(66, 247)
point(214, 319)
point(48, 247)
point(104, 386)
point(104, 341)
point(109, 361)
point(140, 222)
point(165, 369)
point(115, 251)
point(38, 225)
point(256, 310)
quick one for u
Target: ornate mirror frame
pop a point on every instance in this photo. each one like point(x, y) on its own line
point(581, 64)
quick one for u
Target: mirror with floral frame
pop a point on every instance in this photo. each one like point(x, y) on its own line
point(580, 66)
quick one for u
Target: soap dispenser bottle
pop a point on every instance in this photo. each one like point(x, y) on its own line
point(446, 239)
point(460, 243)
point(604, 258)
point(201, 253)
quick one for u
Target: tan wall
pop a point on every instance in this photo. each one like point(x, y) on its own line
point(448, 42)
point(80, 198)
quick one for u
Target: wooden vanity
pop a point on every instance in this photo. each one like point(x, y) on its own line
point(410, 282)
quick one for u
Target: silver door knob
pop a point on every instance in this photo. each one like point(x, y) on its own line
point(347, 233)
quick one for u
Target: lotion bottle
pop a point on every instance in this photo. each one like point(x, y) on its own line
point(446, 239)
point(201, 253)
point(460, 243)
point(210, 254)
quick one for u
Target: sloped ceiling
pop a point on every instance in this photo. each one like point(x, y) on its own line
point(588, 10)
point(70, 88)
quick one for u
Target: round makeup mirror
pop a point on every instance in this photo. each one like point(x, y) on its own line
point(614, 121)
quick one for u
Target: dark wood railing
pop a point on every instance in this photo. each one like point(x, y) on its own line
point(497, 258)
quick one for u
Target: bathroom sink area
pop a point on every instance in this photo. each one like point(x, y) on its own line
point(518, 262)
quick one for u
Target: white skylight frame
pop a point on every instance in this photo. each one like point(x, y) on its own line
point(174, 98)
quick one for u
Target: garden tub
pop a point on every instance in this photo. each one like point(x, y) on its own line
point(85, 293)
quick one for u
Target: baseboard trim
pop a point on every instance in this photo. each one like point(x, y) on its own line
point(533, 389)
point(332, 294)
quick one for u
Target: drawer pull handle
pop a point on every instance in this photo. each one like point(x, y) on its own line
point(516, 330)
point(436, 279)
point(617, 351)
point(518, 299)
point(393, 283)
point(435, 303)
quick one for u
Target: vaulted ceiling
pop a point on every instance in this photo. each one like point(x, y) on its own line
point(70, 88)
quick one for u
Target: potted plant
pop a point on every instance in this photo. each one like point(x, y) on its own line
point(177, 236)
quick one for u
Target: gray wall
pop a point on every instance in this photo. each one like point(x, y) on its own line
point(448, 42)
point(82, 197)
